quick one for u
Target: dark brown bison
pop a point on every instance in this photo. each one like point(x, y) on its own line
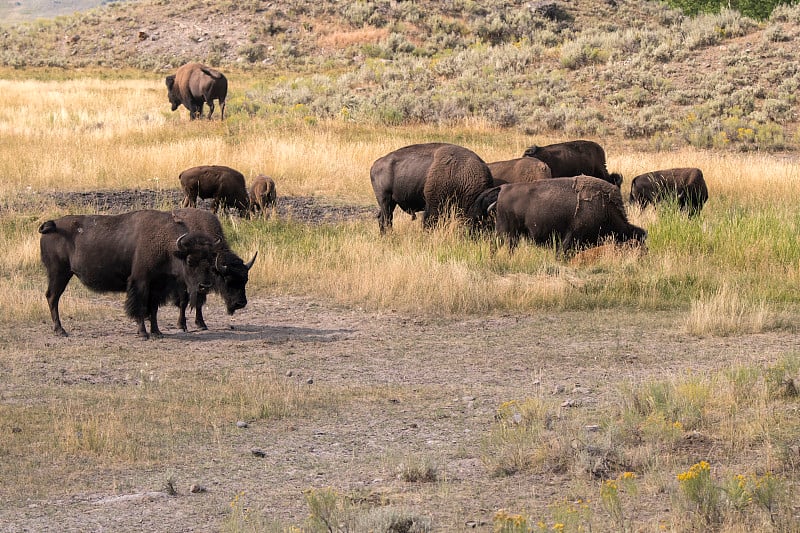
point(427, 177)
point(574, 158)
point(262, 195)
point(193, 85)
point(230, 272)
point(144, 253)
point(684, 185)
point(224, 184)
point(573, 212)
point(522, 169)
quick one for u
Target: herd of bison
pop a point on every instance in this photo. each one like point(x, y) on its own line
point(560, 193)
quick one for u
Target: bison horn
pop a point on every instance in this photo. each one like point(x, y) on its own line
point(253, 260)
point(220, 268)
point(178, 242)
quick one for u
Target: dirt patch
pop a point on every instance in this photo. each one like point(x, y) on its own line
point(421, 387)
point(304, 209)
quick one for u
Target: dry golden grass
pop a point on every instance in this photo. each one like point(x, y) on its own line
point(89, 133)
point(338, 39)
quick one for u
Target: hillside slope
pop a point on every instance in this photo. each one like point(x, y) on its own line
point(628, 68)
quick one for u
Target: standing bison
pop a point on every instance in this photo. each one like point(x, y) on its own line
point(573, 158)
point(144, 253)
point(684, 185)
point(522, 169)
point(427, 177)
point(230, 272)
point(576, 212)
point(193, 85)
point(262, 195)
point(224, 184)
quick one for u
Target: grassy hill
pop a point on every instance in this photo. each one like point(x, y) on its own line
point(631, 69)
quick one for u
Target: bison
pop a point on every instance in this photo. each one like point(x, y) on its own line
point(262, 195)
point(427, 177)
point(574, 158)
point(224, 184)
point(684, 185)
point(521, 169)
point(576, 212)
point(144, 253)
point(230, 272)
point(193, 85)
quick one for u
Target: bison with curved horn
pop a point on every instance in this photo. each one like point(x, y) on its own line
point(144, 253)
point(230, 272)
point(575, 212)
point(193, 85)
point(575, 158)
point(427, 177)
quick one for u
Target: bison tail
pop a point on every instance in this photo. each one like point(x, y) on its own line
point(47, 227)
point(212, 72)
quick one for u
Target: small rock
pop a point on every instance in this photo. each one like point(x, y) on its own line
point(289, 374)
point(310, 381)
point(559, 389)
point(242, 424)
point(258, 452)
point(195, 488)
point(592, 428)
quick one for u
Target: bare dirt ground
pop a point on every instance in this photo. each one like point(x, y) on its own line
point(440, 382)
point(419, 387)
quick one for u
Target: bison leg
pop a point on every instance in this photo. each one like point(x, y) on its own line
point(210, 108)
point(56, 285)
point(137, 304)
point(222, 110)
point(386, 215)
point(198, 312)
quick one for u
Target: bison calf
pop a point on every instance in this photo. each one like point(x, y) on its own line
point(262, 195)
point(575, 212)
point(224, 184)
point(684, 185)
point(193, 85)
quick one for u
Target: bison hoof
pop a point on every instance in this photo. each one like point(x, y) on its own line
point(59, 332)
point(202, 327)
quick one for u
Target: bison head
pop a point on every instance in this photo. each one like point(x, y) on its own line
point(172, 93)
point(231, 275)
point(196, 252)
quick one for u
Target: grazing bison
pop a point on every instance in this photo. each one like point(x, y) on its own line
point(262, 195)
point(576, 212)
point(193, 85)
point(522, 169)
point(427, 177)
point(224, 184)
point(686, 185)
point(230, 272)
point(573, 158)
point(144, 253)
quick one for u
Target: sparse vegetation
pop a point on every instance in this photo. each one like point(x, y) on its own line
point(290, 427)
